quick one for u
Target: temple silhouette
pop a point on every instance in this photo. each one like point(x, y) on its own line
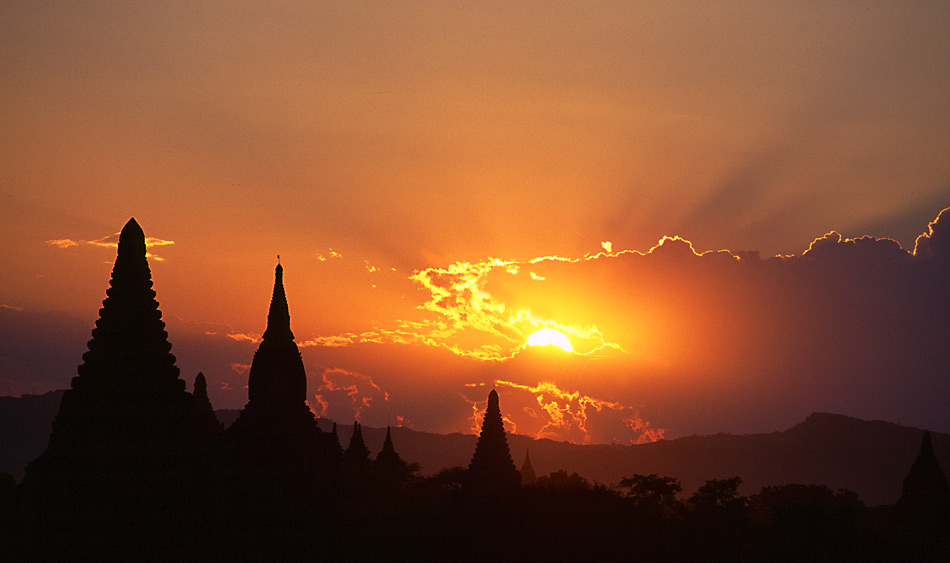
point(528, 476)
point(492, 467)
point(122, 460)
point(135, 464)
point(138, 469)
point(925, 491)
point(276, 437)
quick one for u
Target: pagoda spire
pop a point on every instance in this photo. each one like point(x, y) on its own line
point(357, 450)
point(278, 317)
point(129, 351)
point(277, 382)
point(129, 346)
point(391, 471)
point(336, 450)
point(208, 424)
point(275, 437)
point(388, 454)
point(491, 464)
point(528, 476)
point(277, 378)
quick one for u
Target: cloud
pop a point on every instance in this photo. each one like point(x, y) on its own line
point(832, 246)
point(218, 330)
point(936, 241)
point(902, 220)
point(469, 319)
point(110, 241)
point(572, 416)
point(346, 395)
point(226, 385)
point(241, 337)
point(331, 254)
point(62, 243)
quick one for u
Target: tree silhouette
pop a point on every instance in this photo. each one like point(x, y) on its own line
point(560, 479)
point(652, 492)
point(718, 495)
point(803, 505)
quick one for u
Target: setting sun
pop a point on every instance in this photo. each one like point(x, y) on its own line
point(550, 337)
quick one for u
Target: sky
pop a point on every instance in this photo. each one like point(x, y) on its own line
point(718, 203)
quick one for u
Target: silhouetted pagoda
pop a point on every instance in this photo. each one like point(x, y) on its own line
point(275, 444)
point(388, 455)
point(491, 465)
point(356, 452)
point(118, 475)
point(209, 427)
point(355, 464)
point(926, 491)
point(390, 470)
point(334, 449)
point(528, 476)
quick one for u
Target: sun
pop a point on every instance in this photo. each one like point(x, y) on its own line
point(550, 337)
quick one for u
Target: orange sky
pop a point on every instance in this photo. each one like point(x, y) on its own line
point(387, 150)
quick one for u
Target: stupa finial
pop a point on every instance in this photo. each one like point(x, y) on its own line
point(278, 317)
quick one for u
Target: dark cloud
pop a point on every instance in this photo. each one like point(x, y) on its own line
point(902, 221)
point(833, 246)
point(936, 241)
point(856, 326)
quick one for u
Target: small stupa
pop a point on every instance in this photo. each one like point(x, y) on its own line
point(209, 427)
point(528, 476)
point(356, 452)
point(388, 455)
point(334, 449)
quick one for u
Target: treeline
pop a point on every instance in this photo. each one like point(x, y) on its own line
point(643, 518)
point(388, 516)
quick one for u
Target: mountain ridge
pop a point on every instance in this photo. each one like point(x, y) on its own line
point(870, 458)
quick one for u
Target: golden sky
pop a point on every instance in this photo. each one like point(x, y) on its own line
point(414, 163)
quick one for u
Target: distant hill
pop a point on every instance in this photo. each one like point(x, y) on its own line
point(25, 425)
point(868, 457)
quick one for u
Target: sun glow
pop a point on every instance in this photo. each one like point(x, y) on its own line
point(550, 337)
